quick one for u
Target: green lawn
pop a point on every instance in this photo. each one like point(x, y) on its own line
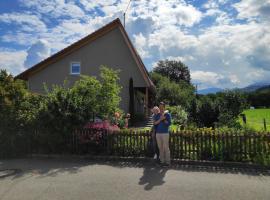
point(255, 118)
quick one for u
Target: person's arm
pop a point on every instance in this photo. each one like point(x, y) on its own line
point(168, 120)
point(156, 122)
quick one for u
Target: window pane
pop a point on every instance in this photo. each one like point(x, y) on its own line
point(75, 68)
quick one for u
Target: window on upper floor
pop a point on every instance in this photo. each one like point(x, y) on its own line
point(75, 68)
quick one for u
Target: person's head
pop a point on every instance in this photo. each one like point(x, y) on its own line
point(117, 115)
point(128, 115)
point(162, 107)
point(155, 110)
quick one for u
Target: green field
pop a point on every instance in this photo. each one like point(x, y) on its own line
point(255, 118)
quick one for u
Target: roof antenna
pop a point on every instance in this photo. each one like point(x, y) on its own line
point(125, 13)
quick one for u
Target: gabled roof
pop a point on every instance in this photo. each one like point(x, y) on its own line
point(84, 41)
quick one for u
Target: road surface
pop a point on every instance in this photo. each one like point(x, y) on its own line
point(58, 179)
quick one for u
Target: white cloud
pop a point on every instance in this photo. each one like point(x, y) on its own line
point(140, 44)
point(252, 9)
point(181, 58)
point(211, 4)
point(169, 37)
point(160, 30)
point(12, 60)
point(214, 9)
point(37, 52)
point(27, 22)
point(174, 12)
point(55, 8)
point(227, 49)
point(19, 38)
point(203, 77)
point(206, 79)
point(105, 5)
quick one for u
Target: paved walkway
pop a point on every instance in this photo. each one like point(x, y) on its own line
point(57, 179)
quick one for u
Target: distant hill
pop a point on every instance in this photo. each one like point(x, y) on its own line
point(264, 89)
point(261, 86)
point(209, 90)
point(255, 86)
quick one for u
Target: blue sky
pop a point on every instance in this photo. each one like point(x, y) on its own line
point(225, 43)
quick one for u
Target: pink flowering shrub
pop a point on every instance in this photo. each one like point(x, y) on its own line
point(104, 125)
point(95, 132)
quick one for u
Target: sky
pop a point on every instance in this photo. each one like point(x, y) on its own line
point(225, 43)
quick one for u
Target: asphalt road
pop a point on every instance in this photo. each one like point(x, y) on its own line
point(57, 179)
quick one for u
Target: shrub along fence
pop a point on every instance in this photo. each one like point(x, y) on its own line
point(184, 144)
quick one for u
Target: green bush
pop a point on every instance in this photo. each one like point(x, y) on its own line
point(13, 94)
point(171, 92)
point(179, 115)
point(221, 109)
point(55, 115)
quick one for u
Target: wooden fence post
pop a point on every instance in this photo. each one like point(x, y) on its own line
point(264, 124)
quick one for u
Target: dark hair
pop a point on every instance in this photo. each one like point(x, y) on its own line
point(162, 103)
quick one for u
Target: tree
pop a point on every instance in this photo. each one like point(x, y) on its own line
point(207, 112)
point(231, 104)
point(55, 114)
point(179, 115)
point(174, 70)
point(66, 109)
point(13, 94)
point(220, 109)
point(260, 97)
point(109, 98)
point(172, 93)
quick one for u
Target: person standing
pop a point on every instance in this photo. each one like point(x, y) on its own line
point(163, 122)
point(155, 112)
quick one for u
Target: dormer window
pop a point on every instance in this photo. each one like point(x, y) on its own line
point(75, 68)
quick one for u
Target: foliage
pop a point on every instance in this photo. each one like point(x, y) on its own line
point(260, 97)
point(174, 88)
point(199, 144)
point(172, 81)
point(231, 105)
point(174, 70)
point(109, 98)
point(13, 95)
point(57, 113)
point(179, 115)
point(68, 108)
point(172, 93)
point(64, 109)
point(208, 112)
point(221, 109)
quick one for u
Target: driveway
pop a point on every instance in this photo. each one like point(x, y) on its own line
point(57, 179)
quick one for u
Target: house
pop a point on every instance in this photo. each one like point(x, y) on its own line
point(110, 46)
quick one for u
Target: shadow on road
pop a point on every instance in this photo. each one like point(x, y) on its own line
point(152, 175)
point(42, 167)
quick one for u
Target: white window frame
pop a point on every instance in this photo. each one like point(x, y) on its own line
point(71, 64)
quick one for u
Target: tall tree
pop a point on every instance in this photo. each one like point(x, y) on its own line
point(172, 93)
point(174, 70)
